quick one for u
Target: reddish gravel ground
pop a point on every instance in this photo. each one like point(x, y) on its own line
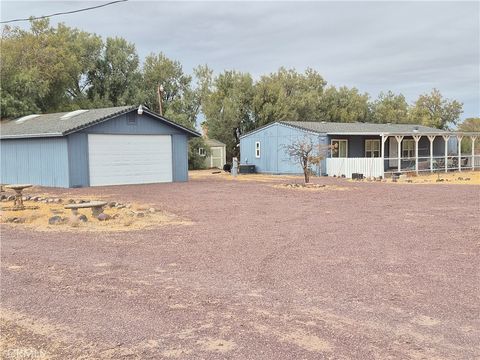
point(379, 271)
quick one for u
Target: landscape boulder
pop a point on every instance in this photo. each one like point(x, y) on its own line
point(103, 217)
point(55, 220)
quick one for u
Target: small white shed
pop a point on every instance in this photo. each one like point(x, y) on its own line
point(218, 156)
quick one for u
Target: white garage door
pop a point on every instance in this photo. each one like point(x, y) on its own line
point(129, 159)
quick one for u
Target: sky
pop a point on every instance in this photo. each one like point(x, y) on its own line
point(406, 47)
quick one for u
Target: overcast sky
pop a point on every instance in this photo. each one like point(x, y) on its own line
point(408, 47)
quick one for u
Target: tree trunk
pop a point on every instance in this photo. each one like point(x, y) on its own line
point(307, 175)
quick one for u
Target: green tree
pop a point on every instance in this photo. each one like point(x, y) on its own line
point(45, 68)
point(179, 100)
point(288, 95)
point(390, 108)
point(228, 108)
point(195, 160)
point(470, 125)
point(436, 111)
point(116, 78)
point(344, 105)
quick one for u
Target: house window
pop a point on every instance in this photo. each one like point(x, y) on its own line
point(408, 148)
point(340, 148)
point(372, 148)
point(257, 149)
point(202, 152)
point(131, 118)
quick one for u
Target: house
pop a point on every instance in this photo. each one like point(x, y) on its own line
point(370, 149)
point(217, 157)
point(110, 146)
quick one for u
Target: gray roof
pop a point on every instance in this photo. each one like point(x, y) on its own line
point(360, 128)
point(213, 142)
point(60, 124)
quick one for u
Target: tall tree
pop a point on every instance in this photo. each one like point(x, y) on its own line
point(45, 68)
point(228, 108)
point(470, 125)
point(179, 100)
point(116, 77)
point(390, 108)
point(344, 105)
point(436, 111)
point(288, 95)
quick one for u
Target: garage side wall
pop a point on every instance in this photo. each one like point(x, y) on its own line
point(41, 161)
point(180, 157)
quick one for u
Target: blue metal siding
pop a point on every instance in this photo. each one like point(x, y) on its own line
point(78, 159)
point(273, 141)
point(144, 125)
point(42, 161)
point(180, 157)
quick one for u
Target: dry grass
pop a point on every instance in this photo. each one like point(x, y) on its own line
point(122, 219)
point(208, 174)
point(464, 178)
point(312, 187)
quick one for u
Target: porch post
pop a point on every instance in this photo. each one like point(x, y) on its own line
point(432, 139)
point(399, 139)
point(459, 138)
point(445, 139)
point(473, 138)
point(417, 139)
point(384, 139)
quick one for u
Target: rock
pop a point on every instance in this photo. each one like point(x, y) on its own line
point(131, 213)
point(120, 206)
point(439, 180)
point(55, 220)
point(71, 201)
point(115, 216)
point(111, 204)
point(152, 210)
point(140, 214)
point(57, 201)
point(467, 179)
point(80, 201)
point(128, 206)
point(25, 198)
point(50, 201)
point(103, 217)
point(82, 218)
point(15, 220)
point(11, 198)
point(409, 181)
point(460, 178)
point(3, 197)
point(34, 198)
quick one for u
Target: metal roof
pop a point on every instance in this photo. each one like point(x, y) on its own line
point(358, 128)
point(61, 124)
point(213, 142)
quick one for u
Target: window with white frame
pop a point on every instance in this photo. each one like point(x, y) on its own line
point(408, 148)
point(202, 152)
point(372, 148)
point(257, 149)
point(340, 148)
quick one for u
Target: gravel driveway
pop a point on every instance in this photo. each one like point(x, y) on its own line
point(376, 271)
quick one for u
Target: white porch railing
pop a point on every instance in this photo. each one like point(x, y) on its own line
point(369, 167)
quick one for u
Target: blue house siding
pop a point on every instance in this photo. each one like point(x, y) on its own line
point(35, 161)
point(273, 141)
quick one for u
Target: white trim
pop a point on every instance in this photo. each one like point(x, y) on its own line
point(202, 152)
point(408, 141)
point(372, 151)
point(346, 148)
point(258, 150)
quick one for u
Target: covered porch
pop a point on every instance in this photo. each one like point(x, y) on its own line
point(380, 155)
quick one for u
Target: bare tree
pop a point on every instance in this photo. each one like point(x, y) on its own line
point(307, 153)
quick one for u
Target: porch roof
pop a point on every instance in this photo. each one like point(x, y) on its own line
point(358, 128)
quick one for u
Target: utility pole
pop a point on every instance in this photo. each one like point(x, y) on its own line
point(159, 93)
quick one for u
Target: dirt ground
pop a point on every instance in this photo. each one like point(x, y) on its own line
point(380, 271)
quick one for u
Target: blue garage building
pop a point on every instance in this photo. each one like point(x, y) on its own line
point(109, 146)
